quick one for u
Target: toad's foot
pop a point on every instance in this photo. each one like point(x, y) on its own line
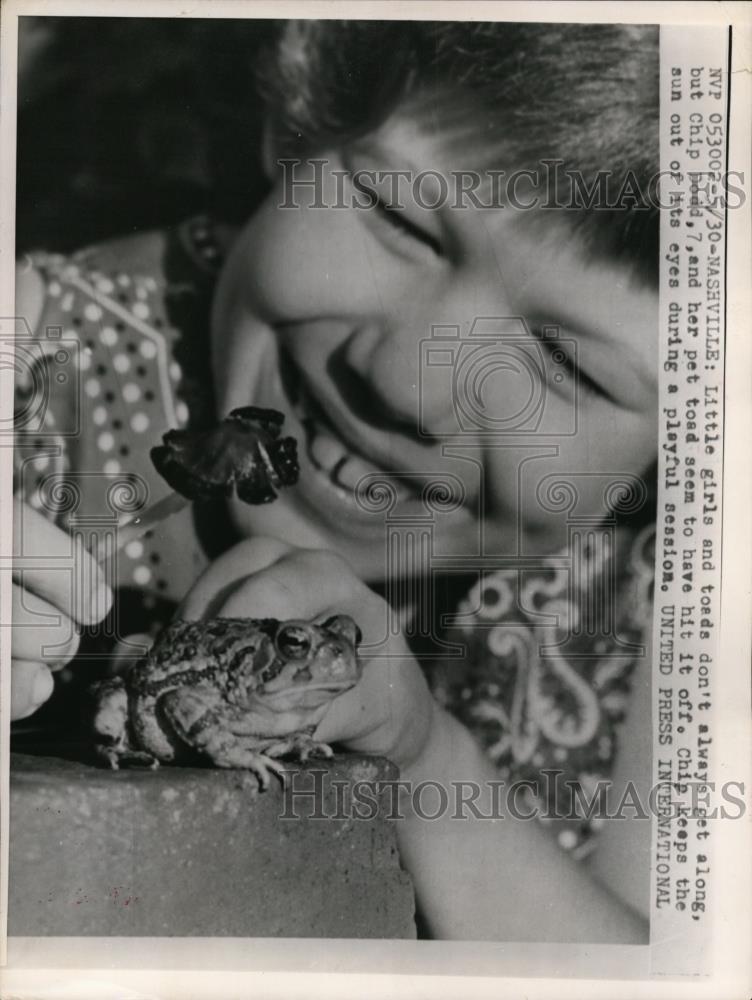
point(302, 745)
point(118, 756)
point(251, 760)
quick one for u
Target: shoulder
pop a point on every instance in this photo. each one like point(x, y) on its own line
point(138, 254)
point(180, 257)
point(147, 294)
point(53, 289)
point(116, 335)
point(172, 260)
point(89, 271)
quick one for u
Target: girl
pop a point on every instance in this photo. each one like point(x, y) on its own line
point(326, 305)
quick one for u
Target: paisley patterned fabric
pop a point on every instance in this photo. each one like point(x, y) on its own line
point(548, 699)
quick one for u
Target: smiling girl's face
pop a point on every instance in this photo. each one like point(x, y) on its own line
point(320, 313)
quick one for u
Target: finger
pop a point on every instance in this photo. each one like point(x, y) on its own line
point(57, 567)
point(350, 717)
point(373, 717)
point(362, 710)
point(40, 631)
point(304, 584)
point(224, 575)
point(31, 685)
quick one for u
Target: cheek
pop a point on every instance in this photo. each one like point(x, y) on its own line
point(536, 490)
point(241, 363)
point(256, 276)
point(292, 263)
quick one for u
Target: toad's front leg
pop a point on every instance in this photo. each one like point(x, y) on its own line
point(197, 716)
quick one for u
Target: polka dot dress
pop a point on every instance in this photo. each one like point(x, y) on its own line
point(101, 382)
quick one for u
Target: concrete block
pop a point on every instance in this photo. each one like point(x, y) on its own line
point(186, 851)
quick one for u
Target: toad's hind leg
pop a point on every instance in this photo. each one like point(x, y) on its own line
point(113, 740)
point(196, 717)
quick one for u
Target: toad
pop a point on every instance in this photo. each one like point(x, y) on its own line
point(236, 692)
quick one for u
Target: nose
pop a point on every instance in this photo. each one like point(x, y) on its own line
point(377, 371)
point(396, 367)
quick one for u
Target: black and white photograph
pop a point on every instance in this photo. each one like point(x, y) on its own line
point(368, 531)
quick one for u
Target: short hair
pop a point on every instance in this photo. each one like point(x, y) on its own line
point(510, 94)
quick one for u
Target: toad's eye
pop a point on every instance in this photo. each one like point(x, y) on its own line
point(293, 642)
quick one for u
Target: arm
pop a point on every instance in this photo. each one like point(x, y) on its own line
point(502, 879)
point(474, 878)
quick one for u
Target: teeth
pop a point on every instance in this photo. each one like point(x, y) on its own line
point(330, 454)
point(351, 471)
point(325, 451)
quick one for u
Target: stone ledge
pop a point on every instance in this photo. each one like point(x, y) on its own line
point(184, 851)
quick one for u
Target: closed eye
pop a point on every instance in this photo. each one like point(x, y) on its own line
point(397, 219)
point(565, 363)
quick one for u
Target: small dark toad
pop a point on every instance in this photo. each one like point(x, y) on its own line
point(237, 692)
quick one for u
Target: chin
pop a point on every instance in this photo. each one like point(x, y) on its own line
point(284, 521)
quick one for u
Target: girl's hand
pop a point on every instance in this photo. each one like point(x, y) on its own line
point(391, 710)
point(57, 586)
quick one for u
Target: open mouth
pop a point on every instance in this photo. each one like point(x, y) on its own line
point(332, 688)
point(338, 462)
